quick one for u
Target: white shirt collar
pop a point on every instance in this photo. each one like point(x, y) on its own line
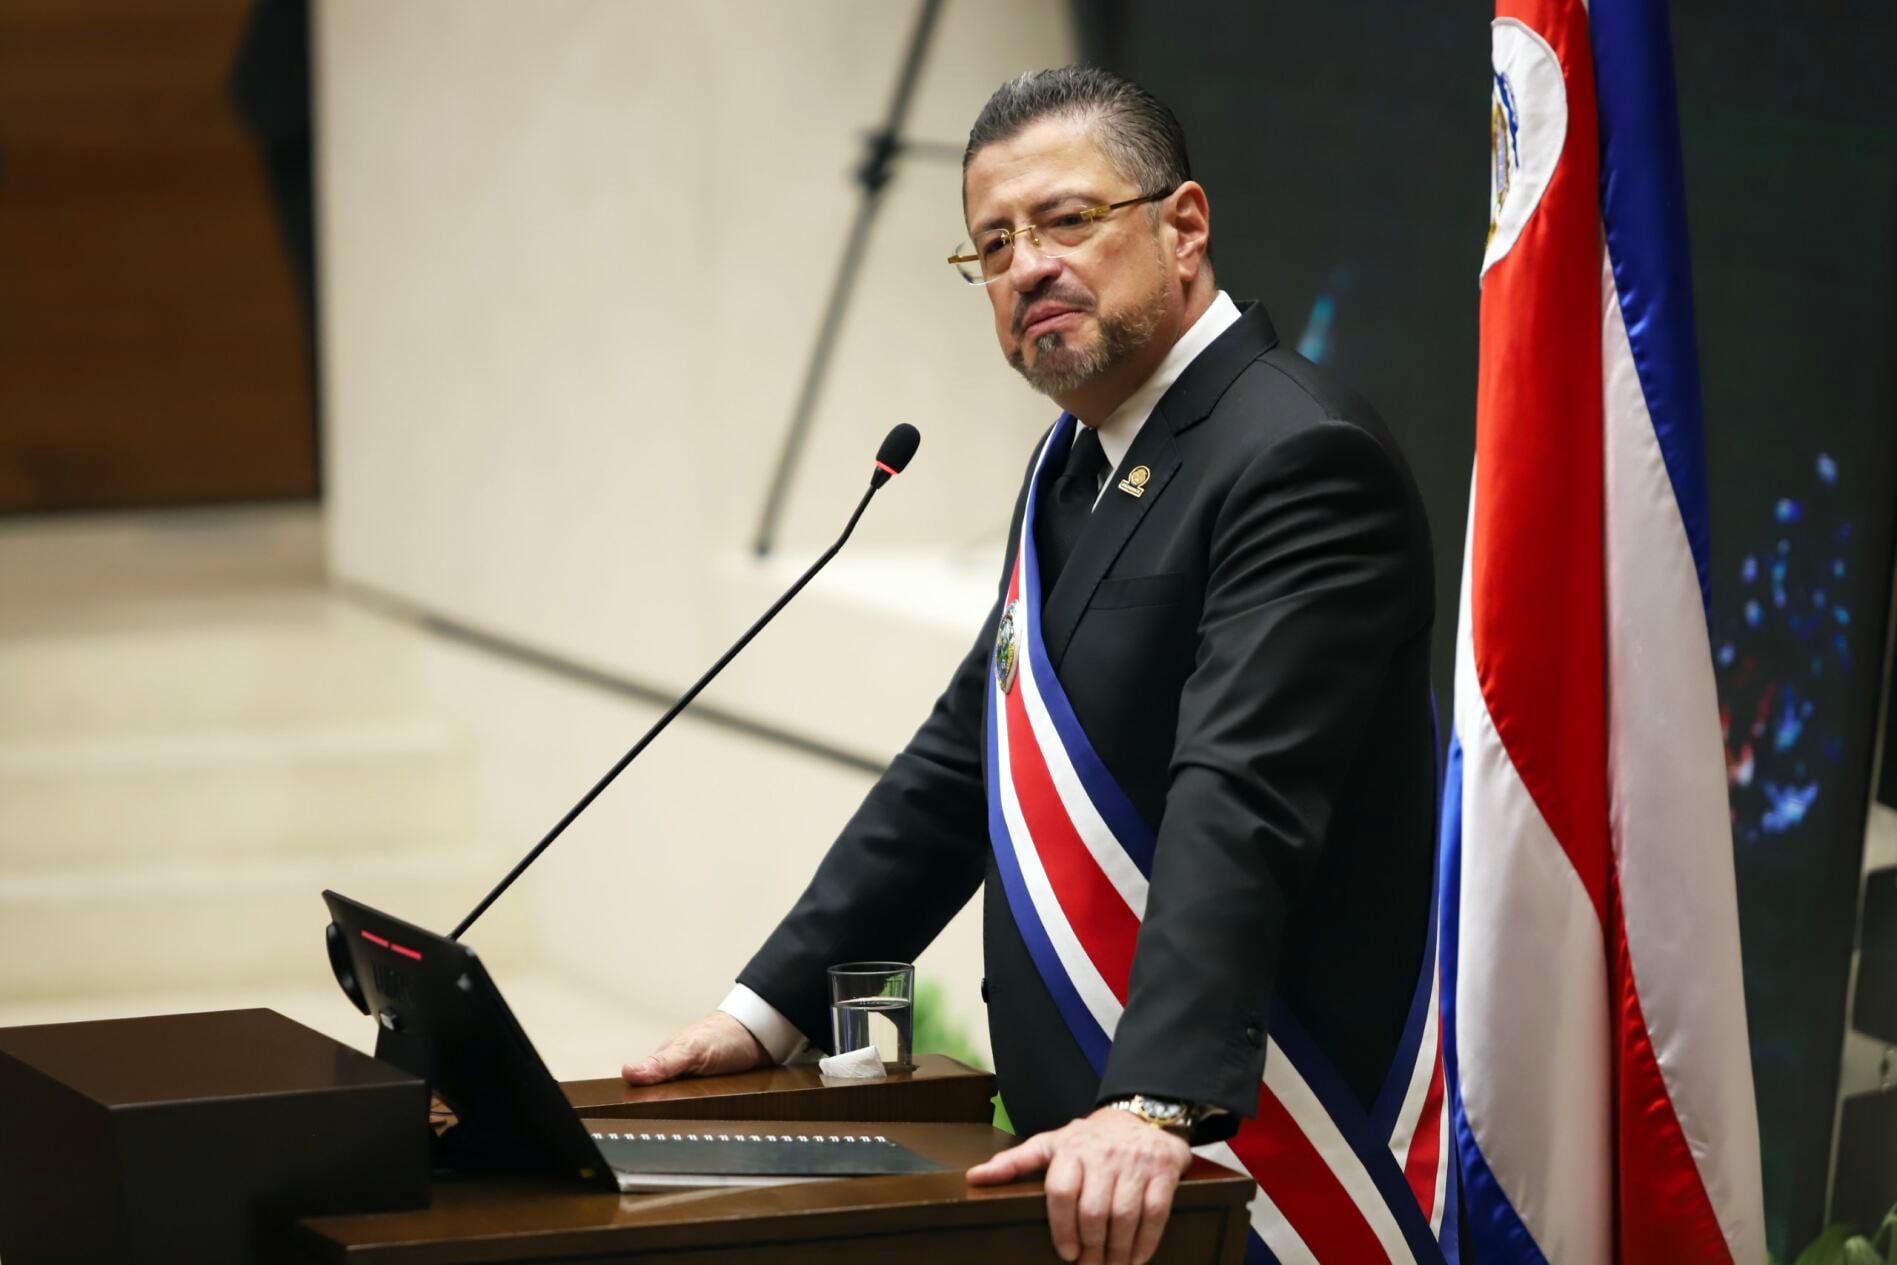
point(1121, 425)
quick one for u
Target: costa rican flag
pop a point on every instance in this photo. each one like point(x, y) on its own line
point(1593, 1022)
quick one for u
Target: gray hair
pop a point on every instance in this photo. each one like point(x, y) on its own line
point(1139, 135)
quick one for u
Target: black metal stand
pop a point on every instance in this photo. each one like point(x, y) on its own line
point(873, 175)
point(349, 984)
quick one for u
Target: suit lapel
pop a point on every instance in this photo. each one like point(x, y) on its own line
point(1157, 447)
point(1111, 525)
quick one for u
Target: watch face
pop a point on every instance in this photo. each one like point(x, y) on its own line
point(1161, 1111)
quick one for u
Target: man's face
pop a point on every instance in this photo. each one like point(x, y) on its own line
point(1065, 322)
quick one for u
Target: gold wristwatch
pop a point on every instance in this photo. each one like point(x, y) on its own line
point(1176, 1118)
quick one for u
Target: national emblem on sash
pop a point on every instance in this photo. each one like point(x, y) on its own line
point(1007, 648)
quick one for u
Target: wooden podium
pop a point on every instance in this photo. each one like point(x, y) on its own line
point(942, 1109)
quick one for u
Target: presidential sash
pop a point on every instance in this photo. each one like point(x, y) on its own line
point(1336, 1185)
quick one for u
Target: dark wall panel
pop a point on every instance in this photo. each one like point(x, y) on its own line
point(153, 344)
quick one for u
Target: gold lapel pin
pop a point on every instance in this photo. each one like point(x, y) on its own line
point(1134, 484)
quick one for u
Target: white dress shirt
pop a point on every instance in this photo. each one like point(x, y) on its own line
point(778, 1035)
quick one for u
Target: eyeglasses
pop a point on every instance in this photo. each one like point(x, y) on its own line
point(992, 254)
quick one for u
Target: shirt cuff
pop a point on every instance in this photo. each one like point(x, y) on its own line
point(778, 1035)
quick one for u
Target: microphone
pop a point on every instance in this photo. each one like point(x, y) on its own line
point(899, 445)
point(891, 459)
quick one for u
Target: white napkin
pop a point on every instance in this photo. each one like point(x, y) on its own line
point(865, 1064)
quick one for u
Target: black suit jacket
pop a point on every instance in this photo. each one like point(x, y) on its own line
point(1247, 648)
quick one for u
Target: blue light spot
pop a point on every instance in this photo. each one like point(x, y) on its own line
point(1778, 601)
point(1754, 616)
point(1827, 468)
point(1787, 510)
point(1784, 547)
point(1749, 569)
point(1842, 615)
point(1725, 656)
point(1786, 732)
point(1818, 597)
point(1317, 329)
point(1788, 806)
point(1837, 568)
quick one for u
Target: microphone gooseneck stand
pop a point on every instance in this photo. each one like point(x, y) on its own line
point(896, 451)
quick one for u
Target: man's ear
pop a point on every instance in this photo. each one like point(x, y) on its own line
point(1189, 216)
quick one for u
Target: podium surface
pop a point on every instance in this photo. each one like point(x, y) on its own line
point(939, 1090)
point(238, 1136)
point(917, 1219)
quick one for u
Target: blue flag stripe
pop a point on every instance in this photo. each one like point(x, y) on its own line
point(1643, 211)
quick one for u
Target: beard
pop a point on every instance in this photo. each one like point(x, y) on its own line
point(1060, 366)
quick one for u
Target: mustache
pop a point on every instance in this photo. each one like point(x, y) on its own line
point(1080, 302)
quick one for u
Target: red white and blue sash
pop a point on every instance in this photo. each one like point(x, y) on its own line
point(1335, 1184)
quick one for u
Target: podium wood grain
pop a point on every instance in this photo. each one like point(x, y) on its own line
point(939, 1090)
point(915, 1219)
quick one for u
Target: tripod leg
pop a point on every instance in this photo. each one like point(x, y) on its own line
point(874, 173)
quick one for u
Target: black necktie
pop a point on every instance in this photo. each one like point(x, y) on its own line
point(1064, 516)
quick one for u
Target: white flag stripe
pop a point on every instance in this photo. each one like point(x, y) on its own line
point(1531, 1024)
point(1291, 1091)
point(1087, 981)
point(1408, 1116)
point(1266, 1219)
point(1669, 814)
point(1099, 840)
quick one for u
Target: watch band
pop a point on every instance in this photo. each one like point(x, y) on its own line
point(1171, 1115)
point(1198, 1123)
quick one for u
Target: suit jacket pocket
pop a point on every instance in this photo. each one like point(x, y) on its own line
point(1140, 590)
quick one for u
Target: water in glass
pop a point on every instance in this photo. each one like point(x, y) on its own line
point(888, 1023)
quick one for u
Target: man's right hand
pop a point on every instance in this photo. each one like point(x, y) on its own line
point(713, 1046)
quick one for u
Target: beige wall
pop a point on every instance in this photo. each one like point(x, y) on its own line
point(573, 256)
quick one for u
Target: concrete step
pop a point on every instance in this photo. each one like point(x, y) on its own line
point(240, 794)
point(170, 926)
point(274, 664)
point(99, 561)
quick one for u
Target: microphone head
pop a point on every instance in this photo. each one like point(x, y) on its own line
point(893, 457)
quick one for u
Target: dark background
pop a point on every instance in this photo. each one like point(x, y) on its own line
point(1344, 148)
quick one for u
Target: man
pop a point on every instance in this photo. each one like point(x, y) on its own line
point(1190, 756)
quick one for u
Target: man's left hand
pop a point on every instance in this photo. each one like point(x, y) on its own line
point(1110, 1182)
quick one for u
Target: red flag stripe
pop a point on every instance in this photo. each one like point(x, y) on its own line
point(1665, 1213)
point(1420, 1166)
point(1282, 1159)
point(1536, 618)
point(1099, 915)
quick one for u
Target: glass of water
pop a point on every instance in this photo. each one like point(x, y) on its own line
point(873, 1003)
